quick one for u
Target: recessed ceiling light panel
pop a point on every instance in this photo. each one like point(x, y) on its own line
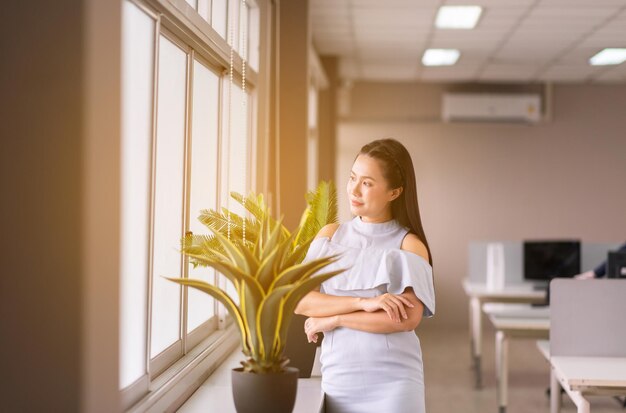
point(458, 17)
point(609, 56)
point(440, 57)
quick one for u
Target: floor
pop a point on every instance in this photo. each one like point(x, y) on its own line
point(448, 377)
point(450, 381)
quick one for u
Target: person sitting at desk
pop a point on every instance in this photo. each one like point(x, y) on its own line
point(600, 270)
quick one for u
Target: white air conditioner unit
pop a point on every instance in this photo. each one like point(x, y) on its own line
point(474, 107)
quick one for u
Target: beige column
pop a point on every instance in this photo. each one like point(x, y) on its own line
point(293, 39)
point(328, 121)
point(59, 212)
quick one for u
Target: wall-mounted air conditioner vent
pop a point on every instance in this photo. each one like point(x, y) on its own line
point(463, 107)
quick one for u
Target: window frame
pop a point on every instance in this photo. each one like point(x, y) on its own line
point(215, 338)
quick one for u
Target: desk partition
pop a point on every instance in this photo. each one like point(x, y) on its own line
point(587, 340)
point(515, 289)
point(591, 255)
point(588, 318)
point(477, 262)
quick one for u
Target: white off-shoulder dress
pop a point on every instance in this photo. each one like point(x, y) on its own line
point(367, 372)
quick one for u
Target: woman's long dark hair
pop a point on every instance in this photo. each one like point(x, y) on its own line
point(398, 170)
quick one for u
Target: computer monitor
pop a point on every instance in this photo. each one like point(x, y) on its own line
point(545, 260)
point(616, 264)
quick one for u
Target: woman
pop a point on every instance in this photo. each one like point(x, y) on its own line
point(371, 358)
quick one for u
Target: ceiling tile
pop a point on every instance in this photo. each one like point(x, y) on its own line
point(579, 55)
point(612, 30)
point(472, 57)
point(394, 17)
point(484, 48)
point(551, 39)
point(494, 3)
point(390, 53)
point(388, 4)
point(513, 72)
point(536, 42)
point(374, 48)
point(458, 72)
point(600, 42)
point(396, 33)
point(567, 72)
point(582, 3)
point(592, 11)
point(394, 72)
point(528, 55)
point(470, 35)
point(500, 17)
point(609, 76)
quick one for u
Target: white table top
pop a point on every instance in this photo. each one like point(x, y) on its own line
point(518, 318)
point(520, 324)
point(512, 310)
point(520, 291)
point(585, 372)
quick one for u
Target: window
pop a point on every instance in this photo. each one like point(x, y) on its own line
point(204, 147)
point(186, 143)
point(138, 57)
point(218, 12)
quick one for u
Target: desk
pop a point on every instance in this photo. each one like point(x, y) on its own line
point(587, 340)
point(580, 376)
point(478, 295)
point(514, 321)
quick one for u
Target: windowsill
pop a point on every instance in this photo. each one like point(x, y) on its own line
point(175, 385)
point(215, 393)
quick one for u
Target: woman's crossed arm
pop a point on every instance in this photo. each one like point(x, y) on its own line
point(371, 322)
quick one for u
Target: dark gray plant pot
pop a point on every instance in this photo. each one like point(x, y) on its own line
point(272, 392)
point(298, 350)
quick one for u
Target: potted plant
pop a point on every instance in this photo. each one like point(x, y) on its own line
point(263, 260)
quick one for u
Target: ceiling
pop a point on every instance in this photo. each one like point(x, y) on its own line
point(514, 41)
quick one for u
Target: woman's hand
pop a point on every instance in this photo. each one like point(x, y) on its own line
point(314, 325)
point(393, 305)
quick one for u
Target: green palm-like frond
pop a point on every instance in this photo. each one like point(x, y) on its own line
point(218, 222)
point(322, 210)
point(301, 271)
point(290, 301)
point(298, 253)
point(265, 268)
point(201, 245)
point(255, 205)
point(223, 298)
point(234, 274)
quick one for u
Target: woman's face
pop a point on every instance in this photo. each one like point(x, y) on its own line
point(368, 191)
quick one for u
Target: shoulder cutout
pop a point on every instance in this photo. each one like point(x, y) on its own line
point(413, 244)
point(328, 231)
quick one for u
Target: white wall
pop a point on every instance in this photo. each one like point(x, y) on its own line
point(565, 178)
